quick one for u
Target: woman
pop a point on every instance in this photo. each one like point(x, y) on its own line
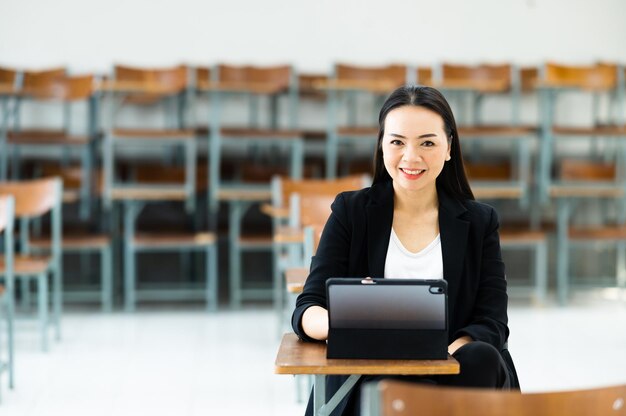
point(419, 219)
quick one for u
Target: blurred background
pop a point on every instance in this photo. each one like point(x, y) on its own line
point(172, 166)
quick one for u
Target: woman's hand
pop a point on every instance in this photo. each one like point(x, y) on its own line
point(458, 343)
point(315, 323)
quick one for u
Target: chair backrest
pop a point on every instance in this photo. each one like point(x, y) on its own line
point(500, 74)
point(61, 88)
point(528, 78)
point(168, 80)
point(584, 170)
point(601, 77)
point(282, 188)
point(8, 76)
point(35, 79)
point(399, 399)
point(499, 171)
point(314, 212)
point(391, 73)
point(34, 197)
point(424, 75)
point(276, 77)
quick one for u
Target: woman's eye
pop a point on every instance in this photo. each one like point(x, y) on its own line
point(428, 143)
point(396, 142)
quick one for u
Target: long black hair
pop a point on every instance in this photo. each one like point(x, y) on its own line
point(452, 178)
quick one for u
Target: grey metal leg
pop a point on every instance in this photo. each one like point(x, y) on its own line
point(319, 394)
point(130, 278)
point(541, 265)
point(106, 279)
point(26, 300)
point(563, 211)
point(57, 300)
point(236, 212)
point(212, 278)
point(320, 407)
point(42, 294)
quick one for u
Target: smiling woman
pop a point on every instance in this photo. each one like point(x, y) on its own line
point(418, 220)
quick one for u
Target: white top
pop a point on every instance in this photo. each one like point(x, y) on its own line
point(402, 264)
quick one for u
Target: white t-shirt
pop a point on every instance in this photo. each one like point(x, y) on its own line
point(401, 263)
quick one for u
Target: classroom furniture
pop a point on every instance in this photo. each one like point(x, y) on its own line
point(35, 198)
point(7, 291)
point(597, 173)
point(55, 89)
point(299, 357)
point(349, 84)
point(397, 398)
point(289, 218)
point(258, 147)
point(9, 83)
point(148, 183)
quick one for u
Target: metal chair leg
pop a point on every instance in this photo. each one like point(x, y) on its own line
point(42, 294)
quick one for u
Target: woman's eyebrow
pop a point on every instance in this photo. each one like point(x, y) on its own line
point(423, 136)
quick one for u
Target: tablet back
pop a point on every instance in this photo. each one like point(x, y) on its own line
point(387, 318)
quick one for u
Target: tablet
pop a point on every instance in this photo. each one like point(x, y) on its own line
point(395, 318)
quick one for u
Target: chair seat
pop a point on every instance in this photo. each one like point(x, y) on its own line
point(78, 241)
point(615, 131)
point(495, 131)
point(233, 132)
point(521, 235)
point(617, 232)
point(27, 265)
point(295, 278)
point(287, 235)
point(50, 137)
point(182, 240)
point(153, 134)
point(256, 240)
point(358, 131)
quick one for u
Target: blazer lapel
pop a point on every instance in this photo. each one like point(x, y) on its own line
point(454, 232)
point(379, 222)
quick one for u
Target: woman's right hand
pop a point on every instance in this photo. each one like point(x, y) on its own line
point(315, 323)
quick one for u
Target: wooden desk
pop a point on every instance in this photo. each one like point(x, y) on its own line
point(299, 357)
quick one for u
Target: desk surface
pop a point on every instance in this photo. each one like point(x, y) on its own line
point(299, 357)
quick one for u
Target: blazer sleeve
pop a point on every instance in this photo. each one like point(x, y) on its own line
point(489, 318)
point(331, 260)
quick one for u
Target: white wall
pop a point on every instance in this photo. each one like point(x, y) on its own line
point(91, 36)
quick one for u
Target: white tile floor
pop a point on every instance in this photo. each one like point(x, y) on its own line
point(185, 362)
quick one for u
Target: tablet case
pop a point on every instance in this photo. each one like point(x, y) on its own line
point(387, 318)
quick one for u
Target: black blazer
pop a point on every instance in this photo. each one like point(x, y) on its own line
point(355, 240)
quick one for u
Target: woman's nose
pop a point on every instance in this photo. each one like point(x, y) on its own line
point(411, 154)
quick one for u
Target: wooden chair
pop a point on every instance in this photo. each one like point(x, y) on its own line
point(290, 218)
point(167, 241)
point(149, 86)
point(604, 133)
point(7, 293)
point(396, 398)
point(492, 182)
point(271, 146)
point(33, 199)
point(9, 85)
point(56, 88)
point(583, 183)
point(353, 82)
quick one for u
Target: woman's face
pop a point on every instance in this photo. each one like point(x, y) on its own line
point(415, 147)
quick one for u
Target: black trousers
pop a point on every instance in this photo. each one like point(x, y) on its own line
point(481, 366)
